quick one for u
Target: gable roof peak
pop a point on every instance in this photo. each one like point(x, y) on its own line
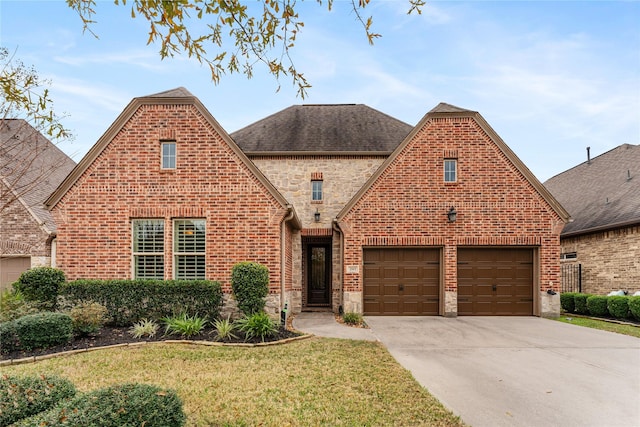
point(443, 107)
point(179, 92)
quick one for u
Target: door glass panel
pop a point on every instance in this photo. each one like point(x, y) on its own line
point(318, 271)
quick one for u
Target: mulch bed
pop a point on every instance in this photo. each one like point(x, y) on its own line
point(120, 335)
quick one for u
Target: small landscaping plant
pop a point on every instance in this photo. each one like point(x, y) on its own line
point(41, 285)
point(184, 325)
point(116, 406)
point(40, 330)
point(567, 301)
point(13, 305)
point(580, 301)
point(144, 328)
point(634, 307)
point(250, 284)
point(257, 325)
point(352, 318)
point(597, 305)
point(225, 329)
point(22, 397)
point(618, 306)
point(88, 318)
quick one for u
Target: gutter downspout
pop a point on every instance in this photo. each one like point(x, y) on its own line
point(283, 256)
point(336, 228)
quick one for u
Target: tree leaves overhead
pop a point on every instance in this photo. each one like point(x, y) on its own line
point(230, 36)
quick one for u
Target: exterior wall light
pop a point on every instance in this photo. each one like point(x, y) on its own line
point(316, 216)
point(452, 214)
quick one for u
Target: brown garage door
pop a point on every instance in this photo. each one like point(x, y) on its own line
point(401, 281)
point(11, 268)
point(495, 282)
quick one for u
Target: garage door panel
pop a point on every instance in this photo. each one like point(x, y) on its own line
point(408, 284)
point(495, 281)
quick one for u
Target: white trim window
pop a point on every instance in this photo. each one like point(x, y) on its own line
point(450, 170)
point(168, 154)
point(148, 248)
point(316, 190)
point(189, 249)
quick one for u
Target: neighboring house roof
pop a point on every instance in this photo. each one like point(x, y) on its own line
point(448, 110)
point(178, 96)
point(602, 193)
point(32, 167)
point(321, 129)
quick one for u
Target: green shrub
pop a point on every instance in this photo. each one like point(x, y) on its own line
point(597, 305)
point(9, 340)
point(144, 328)
point(250, 284)
point(129, 301)
point(22, 397)
point(580, 301)
point(88, 318)
point(13, 305)
point(125, 405)
point(225, 328)
point(634, 307)
point(352, 318)
point(618, 306)
point(567, 301)
point(257, 325)
point(184, 325)
point(41, 285)
point(42, 330)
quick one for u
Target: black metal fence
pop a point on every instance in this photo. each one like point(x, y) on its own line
point(571, 277)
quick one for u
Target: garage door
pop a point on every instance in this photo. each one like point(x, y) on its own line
point(495, 282)
point(401, 281)
point(11, 269)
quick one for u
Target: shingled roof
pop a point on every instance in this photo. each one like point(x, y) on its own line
point(32, 167)
point(602, 193)
point(308, 129)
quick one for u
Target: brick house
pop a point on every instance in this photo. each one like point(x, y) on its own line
point(350, 209)
point(31, 167)
point(603, 197)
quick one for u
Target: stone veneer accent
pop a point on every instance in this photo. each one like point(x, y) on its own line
point(609, 259)
point(451, 303)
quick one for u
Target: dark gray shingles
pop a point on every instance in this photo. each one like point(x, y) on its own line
point(179, 92)
point(600, 194)
point(323, 128)
point(27, 157)
point(443, 107)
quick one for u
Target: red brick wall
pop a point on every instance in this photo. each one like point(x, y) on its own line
point(126, 182)
point(496, 205)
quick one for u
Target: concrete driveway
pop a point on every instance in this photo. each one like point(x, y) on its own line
point(519, 371)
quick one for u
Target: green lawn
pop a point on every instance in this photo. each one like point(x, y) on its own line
point(631, 330)
point(312, 382)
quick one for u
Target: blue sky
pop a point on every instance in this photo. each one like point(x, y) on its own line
point(550, 77)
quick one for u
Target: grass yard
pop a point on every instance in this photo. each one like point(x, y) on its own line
point(631, 330)
point(317, 381)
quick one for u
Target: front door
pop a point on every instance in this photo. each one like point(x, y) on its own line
point(318, 274)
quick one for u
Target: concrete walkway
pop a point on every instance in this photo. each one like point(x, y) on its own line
point(509, 371)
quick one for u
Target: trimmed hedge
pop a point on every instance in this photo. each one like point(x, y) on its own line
point(567, 301)
point(39, 330)
point(618, 306)
point(41, 285)
point(597, 305)
point(250, 284)
point(634, 307)
point(580, 301)
point(22, 397)
point(126, 405)
point(129, 301)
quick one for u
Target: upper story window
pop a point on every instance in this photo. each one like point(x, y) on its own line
point(450, 170)
point(316, 191)
point(168, 155)
point(189, 249)
point(148, 248)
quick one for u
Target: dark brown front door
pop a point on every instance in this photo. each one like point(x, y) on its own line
point(495, 282)
point(401, 281)
point(318, 274)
